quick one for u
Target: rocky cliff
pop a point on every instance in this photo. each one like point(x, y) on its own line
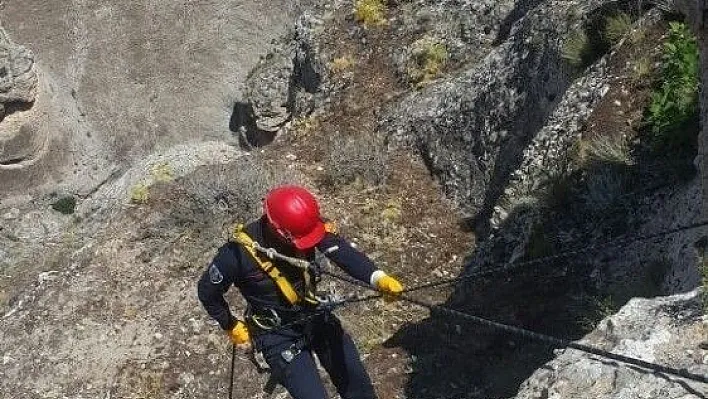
point(133, 135)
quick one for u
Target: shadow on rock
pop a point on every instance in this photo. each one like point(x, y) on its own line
point(243, 124)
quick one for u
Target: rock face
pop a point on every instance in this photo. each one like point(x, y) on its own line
point(472, 129)
point(18, 78)
point(643, 329)
point(18, 90)
point(467, 29)
point(697, 12)
point(121, 79)
point(282, 85)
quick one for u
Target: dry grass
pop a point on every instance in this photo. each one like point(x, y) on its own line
point(341, 64)
point(617, 26)
point(607, 149)
point(370, 12)
point(575, 48)
point(358, 158)
point(163, 172)
point(140, 193)
point(428, 58)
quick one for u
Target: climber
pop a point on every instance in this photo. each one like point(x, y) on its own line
point(280, 296)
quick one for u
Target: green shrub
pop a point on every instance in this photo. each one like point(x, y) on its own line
point(140, 193)
point(370, 12)
point(163, 172)
point(616, 27)
point(576, 48)
point(673, 109)
point(428, 57)
point(65, 205)
point(596, 310)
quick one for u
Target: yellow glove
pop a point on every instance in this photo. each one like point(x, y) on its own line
point(390, 287)
point(239, 334)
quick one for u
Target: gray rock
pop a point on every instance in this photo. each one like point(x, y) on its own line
point(457, 124)
point(18, 78)
point(283, 83)
point(643, 329)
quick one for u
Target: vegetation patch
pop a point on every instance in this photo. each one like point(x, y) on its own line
point(598, 309)
point(616, 27)
point(576, 49)
point(428, 58)
point(672, 115)
point(65, 205)
point(163, 172)
point(140, 193)
point(340, 65)
point(370, 12)
point(362, 158)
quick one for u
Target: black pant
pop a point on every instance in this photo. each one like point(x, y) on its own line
point(334, 349)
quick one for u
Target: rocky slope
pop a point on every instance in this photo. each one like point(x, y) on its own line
point(166, 126)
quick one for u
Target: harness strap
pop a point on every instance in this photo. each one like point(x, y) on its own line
point(309, 297)
point(267, 266)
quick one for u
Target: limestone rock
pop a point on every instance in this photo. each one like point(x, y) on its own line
point(472, 129)
point(18, 78)
point(644, 329)
point(283, 83)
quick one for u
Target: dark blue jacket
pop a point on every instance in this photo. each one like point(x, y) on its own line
point(233, 265)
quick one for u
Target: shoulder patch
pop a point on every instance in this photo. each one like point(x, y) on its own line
point(215, 275)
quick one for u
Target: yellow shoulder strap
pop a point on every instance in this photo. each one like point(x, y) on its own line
point(268, 267)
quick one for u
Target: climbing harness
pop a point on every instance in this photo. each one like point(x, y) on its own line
point(268, 266)
point(310, 272)
point(264, 321)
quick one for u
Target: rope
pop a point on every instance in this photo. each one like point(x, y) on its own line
point(544, 259)
point(530, 335)
point(233, 366)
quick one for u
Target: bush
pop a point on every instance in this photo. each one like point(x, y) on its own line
point(428, 57)
point(227, 193)
point(341, 64)
point(65, 205)
point(361, 158)
point(616, 26)
point(140, 193)
point(163, 172)
point(608, 149)
point(576, 48)
point(673, 109)
point(370, 12)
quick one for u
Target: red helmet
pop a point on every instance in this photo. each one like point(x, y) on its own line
point(295, 214)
